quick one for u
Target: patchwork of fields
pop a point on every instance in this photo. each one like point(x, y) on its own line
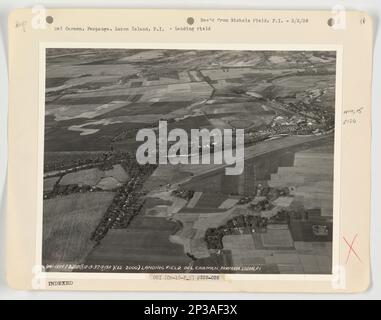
point(102, 208)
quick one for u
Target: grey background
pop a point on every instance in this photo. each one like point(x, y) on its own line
point(373, 7)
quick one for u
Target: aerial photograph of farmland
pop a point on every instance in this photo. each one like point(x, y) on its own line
point(103, 211)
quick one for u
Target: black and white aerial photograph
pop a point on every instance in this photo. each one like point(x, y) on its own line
point(188, 161)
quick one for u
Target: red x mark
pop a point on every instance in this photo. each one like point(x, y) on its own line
point(351, 249)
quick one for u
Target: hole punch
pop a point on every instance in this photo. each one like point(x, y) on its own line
point(49, 19)
point(190, 20)
point(331, 22)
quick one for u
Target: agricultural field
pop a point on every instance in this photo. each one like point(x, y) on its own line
point(110, 179)
point(101, 207)
point(88, 177)
point(68, 223)
point(49, 183)
point(146, 241)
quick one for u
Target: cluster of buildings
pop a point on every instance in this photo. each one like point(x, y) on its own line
point(183, 193)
